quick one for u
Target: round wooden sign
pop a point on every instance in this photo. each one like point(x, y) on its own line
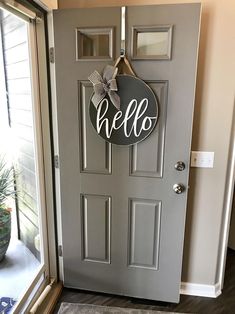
point(136, 118)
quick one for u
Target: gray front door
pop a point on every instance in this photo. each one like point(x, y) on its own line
point(122, 222)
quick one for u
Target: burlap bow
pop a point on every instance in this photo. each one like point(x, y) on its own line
point(105, 85)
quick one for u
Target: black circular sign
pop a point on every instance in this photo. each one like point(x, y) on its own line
point(136, 118)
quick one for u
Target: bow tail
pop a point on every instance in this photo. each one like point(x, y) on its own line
point(96, 99)
point(95, 78)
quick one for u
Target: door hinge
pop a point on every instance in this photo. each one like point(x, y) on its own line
point(56, 161)
point(60, 250)
point(52, 55)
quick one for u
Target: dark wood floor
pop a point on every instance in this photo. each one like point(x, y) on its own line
point(224, 304)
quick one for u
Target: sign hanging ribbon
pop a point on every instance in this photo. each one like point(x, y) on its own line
point(105, 85)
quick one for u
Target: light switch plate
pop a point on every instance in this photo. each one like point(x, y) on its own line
point(202, 159)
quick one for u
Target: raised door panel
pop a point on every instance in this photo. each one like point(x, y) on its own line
point(90, 142)
point(144, 233)
point(142, 162)
point(96, 228)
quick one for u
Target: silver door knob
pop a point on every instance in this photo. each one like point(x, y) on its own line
point(180, 166)
point(178, 188)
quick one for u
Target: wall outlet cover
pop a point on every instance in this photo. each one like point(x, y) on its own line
point(202, 159)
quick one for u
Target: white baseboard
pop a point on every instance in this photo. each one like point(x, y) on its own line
point(210, 291)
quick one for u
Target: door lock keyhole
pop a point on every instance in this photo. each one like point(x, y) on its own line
point(178, 188)
point(180, 166)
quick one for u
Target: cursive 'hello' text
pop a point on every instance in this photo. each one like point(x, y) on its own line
point(134, 112)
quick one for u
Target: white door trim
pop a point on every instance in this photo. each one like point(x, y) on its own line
point(46, 147)
point(200, 290)
point(38, 142)
point(227, 208)
point(50, 28)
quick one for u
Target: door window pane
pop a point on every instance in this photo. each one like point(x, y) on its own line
point(152, 43)
point(94, 43)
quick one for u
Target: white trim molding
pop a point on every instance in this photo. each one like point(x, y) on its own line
point(200, 290)
point(227, 207)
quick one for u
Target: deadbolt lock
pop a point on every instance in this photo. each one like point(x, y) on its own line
point(178, 188)
point(180, 166)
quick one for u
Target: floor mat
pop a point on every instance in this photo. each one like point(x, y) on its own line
point(76, 308)
point(6, 304)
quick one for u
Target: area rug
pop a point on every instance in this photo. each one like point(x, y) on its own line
point(76, 308)
point(6, 304)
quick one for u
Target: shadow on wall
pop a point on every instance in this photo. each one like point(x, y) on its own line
point(189, 227)
point(231, 242)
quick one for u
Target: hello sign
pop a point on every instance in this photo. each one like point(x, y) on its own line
point(123, 108)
